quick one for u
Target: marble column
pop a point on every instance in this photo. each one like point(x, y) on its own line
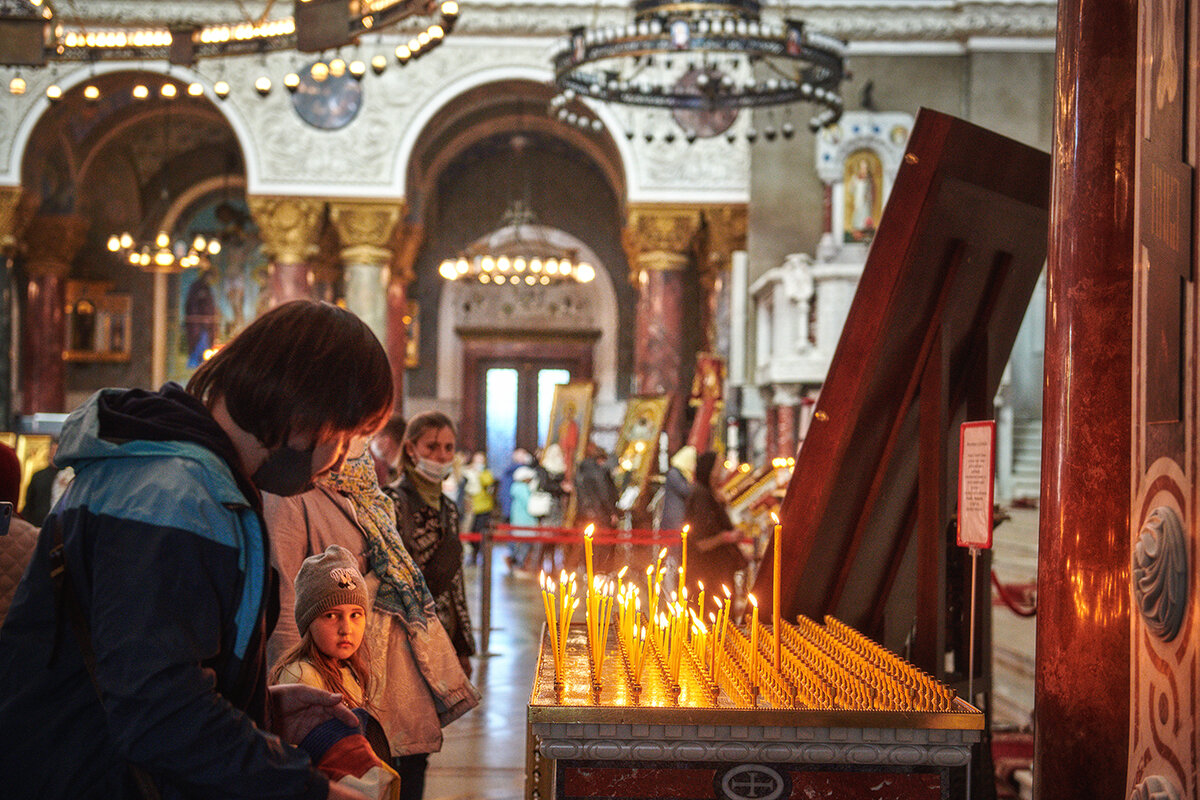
point(724, 232)
point(785, 402)
point(660, 243)
point(408, 240)
point(12, 225)
point(1083, 634)
point(51, 242)
point(325, 268)
point(289, 228)
point(366, 230)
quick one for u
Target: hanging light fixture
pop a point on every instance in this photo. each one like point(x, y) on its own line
point(163, 253)
point(704, 61)
point(518, 254)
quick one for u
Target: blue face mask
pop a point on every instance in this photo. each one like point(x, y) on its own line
point(286, 472)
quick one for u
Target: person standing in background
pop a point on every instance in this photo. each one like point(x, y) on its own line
point(39, 497)
point(385, 450)
point(713, 555)
point(428, 523)
point(481, 491)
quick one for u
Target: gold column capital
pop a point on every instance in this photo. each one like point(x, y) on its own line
point(51, 242)
point(288, 226)
point(366, 222)
point(660, 228)
point(16, 210)
point(724, 231)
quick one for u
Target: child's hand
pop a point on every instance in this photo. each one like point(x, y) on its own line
point(296, 709)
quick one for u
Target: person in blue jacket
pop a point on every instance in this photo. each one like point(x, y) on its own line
point(132, 658)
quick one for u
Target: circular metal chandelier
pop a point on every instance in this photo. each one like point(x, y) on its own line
point(704, 61)
point(163, 254)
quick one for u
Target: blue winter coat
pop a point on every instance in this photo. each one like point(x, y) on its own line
point(169, 561)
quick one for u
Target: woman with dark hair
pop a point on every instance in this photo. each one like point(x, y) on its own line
point(151, 583)
point(428, 523)
point(712, 553)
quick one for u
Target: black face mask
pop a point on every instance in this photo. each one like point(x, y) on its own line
point(286, 472)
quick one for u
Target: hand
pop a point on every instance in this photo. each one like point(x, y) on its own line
point(296, 709)
point(465, 661)
point(730, 536)
point(339, 792)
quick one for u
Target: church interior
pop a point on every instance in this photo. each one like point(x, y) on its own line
point(816, 237)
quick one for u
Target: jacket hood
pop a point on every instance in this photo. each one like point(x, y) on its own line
point(137, 423)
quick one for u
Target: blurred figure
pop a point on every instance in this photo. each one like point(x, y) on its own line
point(481, 494)
point(17, 547)
point(519, 514)
point(39, 497)
point(713, 555)
point(678, 488)
point(520, 458)
point(385, 450)
point(596, 497)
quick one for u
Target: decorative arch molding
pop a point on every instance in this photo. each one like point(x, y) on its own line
point(38, 105)
point(622, 176)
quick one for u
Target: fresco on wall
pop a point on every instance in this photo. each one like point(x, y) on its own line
point(863, 176)
point(217, 300)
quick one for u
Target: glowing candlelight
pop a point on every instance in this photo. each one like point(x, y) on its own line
point(683, 534)
point(700, 600)
point(588, 532)
point(776, 567)
point(753, 644)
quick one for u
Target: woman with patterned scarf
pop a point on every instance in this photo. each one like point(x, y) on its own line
point(418, 684)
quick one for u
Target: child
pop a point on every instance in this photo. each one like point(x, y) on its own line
point(331, 614)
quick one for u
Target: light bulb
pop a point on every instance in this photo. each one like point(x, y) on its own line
point(195, 89)
point(448, 271)
point(140, 92)
point(378, 64)
point(263, 86)
point(114, 243)
point(221, 89)
point(319, 71)
point(17, 85)
point(291, 81)
point(126, 241)
point(585, 272)
point(169, 90)
point(54, 91)
point(358, 69)
point(337, 67)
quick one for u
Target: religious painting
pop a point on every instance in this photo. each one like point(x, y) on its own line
point(863, 204)
point(708, 388)
point(412, 335)
point(637, 445)
point(571, 421)
point(223, 295)
point(97, 322)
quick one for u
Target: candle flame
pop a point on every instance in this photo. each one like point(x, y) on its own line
point(775, 517)
point(686, 528)
point(701, 585)
point(725, 589)
point(662, 553)
point(590, 530)
point(621, 574)
point(753, 601)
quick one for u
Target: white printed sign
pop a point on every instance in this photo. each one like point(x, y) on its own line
point(976, 479)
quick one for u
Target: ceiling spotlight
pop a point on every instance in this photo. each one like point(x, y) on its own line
point(221, 89)
point(263, 86)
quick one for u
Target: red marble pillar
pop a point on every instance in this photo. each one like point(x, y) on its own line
point(1082, 673)
point(787, 400)
point(51, 242)
point(287, 282)
point(406, 244)
point(289, 228)
point(657, 349)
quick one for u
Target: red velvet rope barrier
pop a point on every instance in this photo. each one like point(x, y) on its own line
point(549, 534)
point(1008, 600)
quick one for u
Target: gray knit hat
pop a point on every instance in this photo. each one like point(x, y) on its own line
point(326, 580)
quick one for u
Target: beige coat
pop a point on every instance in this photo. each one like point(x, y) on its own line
point(417, 684)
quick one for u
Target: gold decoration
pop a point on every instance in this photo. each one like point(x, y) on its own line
point(288, 226)
point(51, 242)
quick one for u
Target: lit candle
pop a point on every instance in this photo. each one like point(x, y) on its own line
point(753, 644)
point(683, 563)
point(776, 565)
point(700, 600)
point(588, 532)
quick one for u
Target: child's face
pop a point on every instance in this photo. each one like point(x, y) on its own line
point(338, 631)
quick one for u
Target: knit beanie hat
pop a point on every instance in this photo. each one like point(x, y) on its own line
point(326, 580)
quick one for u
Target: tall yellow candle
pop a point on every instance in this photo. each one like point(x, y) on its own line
point(753, 644)
point(588, 532)
point(776, 567)
point(683, 534)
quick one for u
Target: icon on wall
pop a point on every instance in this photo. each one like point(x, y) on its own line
point(863, 176)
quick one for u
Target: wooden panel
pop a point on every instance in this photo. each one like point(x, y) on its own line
point(946, 284)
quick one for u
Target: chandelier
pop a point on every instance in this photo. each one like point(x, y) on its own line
point(704, 61)
point(164, 254)
point(518, 253)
